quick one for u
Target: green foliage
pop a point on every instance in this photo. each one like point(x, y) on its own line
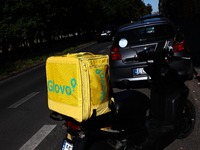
point(149, 8)
point(127, 10)
point(24, 17)
point(23, 64)
point(26, 20)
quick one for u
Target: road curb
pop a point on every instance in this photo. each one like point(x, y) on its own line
point(21, 71)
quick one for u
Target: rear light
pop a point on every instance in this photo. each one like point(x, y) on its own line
point(97, 33)
point(115, 54)
point(72, 125)
point(178, 47)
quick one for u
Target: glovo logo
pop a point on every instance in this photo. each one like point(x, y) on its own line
point(53, 87)
point(103, 87)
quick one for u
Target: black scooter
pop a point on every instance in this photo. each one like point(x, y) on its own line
point(137, 122)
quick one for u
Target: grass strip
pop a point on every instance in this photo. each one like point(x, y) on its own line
point(19, 65)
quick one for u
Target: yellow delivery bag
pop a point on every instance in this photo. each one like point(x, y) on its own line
point(78, 85)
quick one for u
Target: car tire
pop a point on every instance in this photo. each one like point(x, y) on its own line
point(188, 120)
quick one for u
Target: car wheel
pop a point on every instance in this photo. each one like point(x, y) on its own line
point(188, 120)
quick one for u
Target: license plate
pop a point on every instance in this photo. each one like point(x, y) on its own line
point(139, 71)
point(67, 145)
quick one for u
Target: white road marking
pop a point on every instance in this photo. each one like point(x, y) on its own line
point(87, 45)
point(37, 138)
point(102, 51)
point(108, 46)
point(15, 105)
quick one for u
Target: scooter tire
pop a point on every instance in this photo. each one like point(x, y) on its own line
point(188, 120)
point(101, 145)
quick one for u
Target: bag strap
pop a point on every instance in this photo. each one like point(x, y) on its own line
point(80, 54)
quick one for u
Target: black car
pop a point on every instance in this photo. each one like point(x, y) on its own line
point(106, 34)
point(155, 15)
point(144, 35)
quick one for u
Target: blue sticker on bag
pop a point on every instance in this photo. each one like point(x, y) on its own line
point(103, 87)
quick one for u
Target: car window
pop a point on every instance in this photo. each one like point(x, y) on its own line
point(146, 34)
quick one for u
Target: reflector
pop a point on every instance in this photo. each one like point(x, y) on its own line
point(72, 125)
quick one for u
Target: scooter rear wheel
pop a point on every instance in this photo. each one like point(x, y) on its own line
point(188, 120)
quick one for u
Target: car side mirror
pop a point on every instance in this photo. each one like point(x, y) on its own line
point(179, 37)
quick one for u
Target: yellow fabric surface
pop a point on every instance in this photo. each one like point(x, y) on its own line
point(78, 83)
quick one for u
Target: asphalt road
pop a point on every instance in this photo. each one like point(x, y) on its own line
point(24, 115)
